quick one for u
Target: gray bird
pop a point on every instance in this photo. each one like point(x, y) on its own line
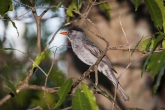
point(88, 52)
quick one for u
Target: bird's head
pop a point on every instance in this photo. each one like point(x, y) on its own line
point(74, 32)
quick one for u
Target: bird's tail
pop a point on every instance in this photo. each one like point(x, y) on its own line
point(110, 75)
point(122, 92)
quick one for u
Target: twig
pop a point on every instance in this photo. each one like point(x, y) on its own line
point(47, 80)
point(98, 92)
point(36, 108)
point(23, 4)
point(67, 108)
point(124, 33)
point(26, 87)
point(129, 64)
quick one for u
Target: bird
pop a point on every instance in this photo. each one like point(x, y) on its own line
point(88, 52)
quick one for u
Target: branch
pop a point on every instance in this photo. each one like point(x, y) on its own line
point(26, 87)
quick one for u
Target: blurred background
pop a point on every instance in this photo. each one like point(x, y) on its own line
point(14, 65)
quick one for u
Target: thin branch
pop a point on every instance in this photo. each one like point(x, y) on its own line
point(23, 4)
point(124, 33)
point(38, 26)
point(47, 80)
point(26, 87)
point(98, 92)
point(129, 64)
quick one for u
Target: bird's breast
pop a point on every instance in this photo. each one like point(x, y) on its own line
point(83, 54)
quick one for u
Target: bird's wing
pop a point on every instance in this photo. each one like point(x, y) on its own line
point(90, 46)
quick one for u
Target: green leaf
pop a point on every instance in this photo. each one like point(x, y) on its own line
point(11, 6)
point(155, 13)
point(156, 63)
point(104, 93)
point(145, 64)
point(4, 6)
point(160, 74)
point(163, 44)
point(146, 45)
point(158, 39)
point(38, 59)
point(75, 5)
point(137, 3)
point(80, 101)
point(63, 92)
point(9, 84)
point(162, 9)
point(90, 96)
point(105, 7)
point(13, 23)
point(136, 46)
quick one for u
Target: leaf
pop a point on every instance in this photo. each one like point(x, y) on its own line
point(162, 9)
point(158, 39)
point(13, 23)
point(145, 64)
point(156, 63)
point(136, 46)
point(38, 59)
point(105, 94)
point(155, 13)
point(91, 98)
point(80, 101)
point(146, 45)
point(11, 6)
point(105, 7)
point(63, 92)
point(137, 3)
point(75, 5)
point(4, 6)
point(9, 84)
point(160, 74)
point(163, 44)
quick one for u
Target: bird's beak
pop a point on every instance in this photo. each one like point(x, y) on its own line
point(64, 33)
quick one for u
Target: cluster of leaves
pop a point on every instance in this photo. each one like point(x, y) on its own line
point(77, 4)
point(155, 46)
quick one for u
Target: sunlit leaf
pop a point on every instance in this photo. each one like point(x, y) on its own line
point(63, 92)
point(146, 45)
point(137, 3)
point(80, 101)
point(155, 13)
point(90, 96)
point(163, 44)
point(38, 59)
point(11, 6)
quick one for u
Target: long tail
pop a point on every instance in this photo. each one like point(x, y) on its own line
point(110, 75)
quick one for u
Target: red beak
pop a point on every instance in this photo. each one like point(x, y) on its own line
point(64, 33)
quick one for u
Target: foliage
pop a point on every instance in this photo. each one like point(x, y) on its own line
point(154, 63)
